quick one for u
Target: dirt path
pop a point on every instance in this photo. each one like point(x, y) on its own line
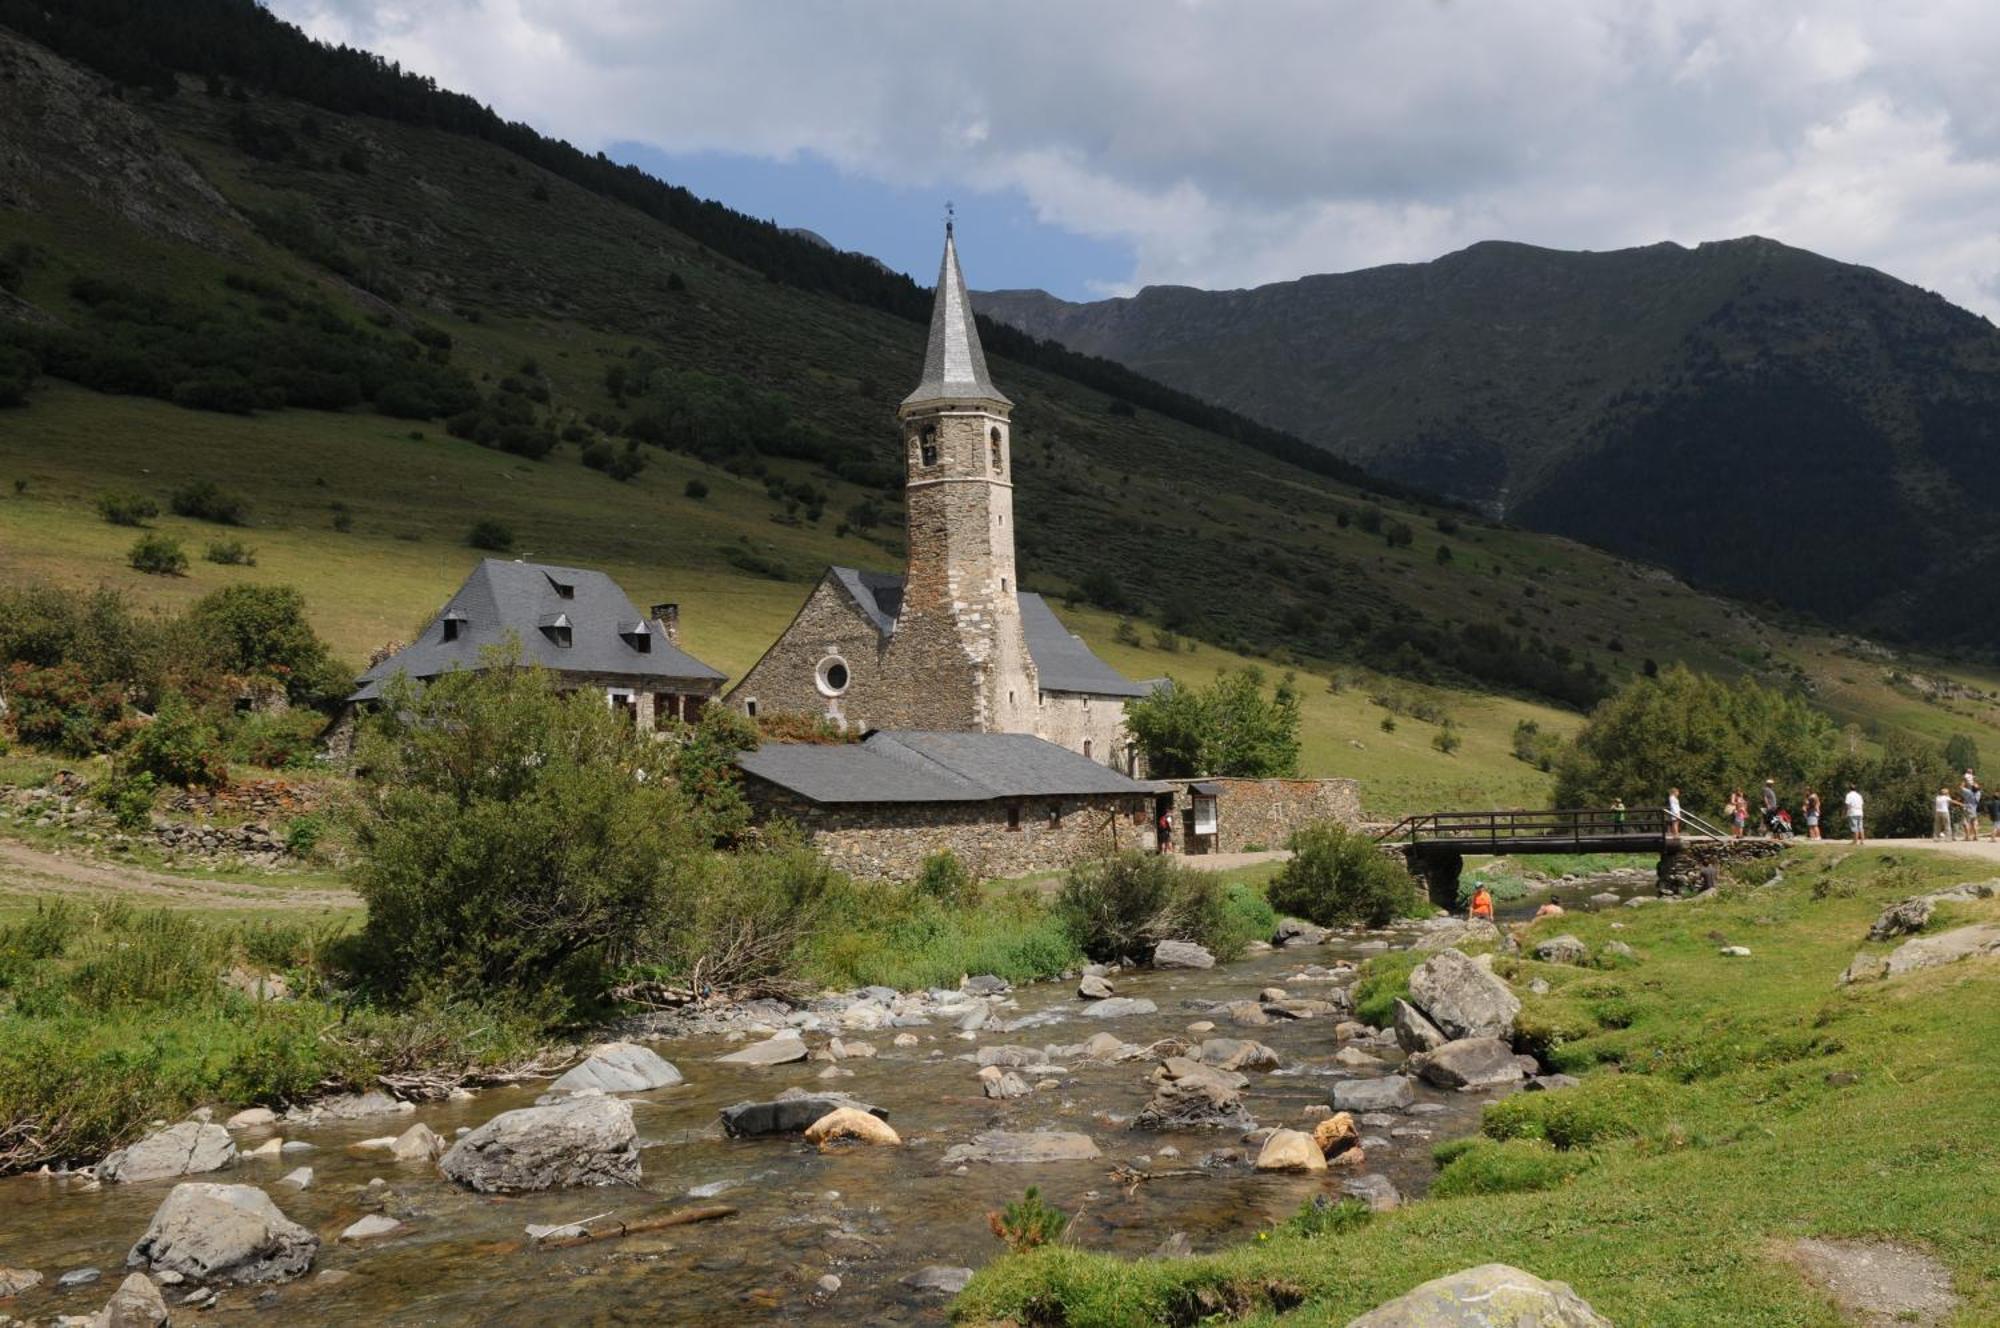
point(32, 871)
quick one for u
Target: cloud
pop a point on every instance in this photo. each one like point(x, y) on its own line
point(1229, 144)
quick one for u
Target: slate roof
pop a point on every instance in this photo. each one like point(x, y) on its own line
point(500, 597)
point(1063, 663)
point(954, 363)
point(920, 766)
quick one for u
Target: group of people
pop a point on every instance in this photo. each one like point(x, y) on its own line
point(1955, 815)
point(1777, 817)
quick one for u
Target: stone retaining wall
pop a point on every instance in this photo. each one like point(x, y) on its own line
point(1263, 813)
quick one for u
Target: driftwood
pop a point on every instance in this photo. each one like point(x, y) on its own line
point(1133, 1177)
point(679, 1217)
point(429, 1085)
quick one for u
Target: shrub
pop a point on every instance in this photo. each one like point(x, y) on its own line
point(179, 747)
point(1120, 907)
point(1321, 1216)
point(696, 489)
point(276, 742)
point(61, 708)
point(263, 631)
point(1447, 739)
point(1337, 875)
point(944, 878)
point(158, 555)
point(128, 795)
point(1384, 980)
point(204, 500)
point(231, 553)
point(1477, 1166)
point(491, 535)
point(304, 833)
point(126, 509)
point(1028, 1222)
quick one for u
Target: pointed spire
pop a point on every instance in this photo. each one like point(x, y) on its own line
point(954, 365)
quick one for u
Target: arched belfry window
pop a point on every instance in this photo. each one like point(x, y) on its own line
point(927, 447)
point(993, 446)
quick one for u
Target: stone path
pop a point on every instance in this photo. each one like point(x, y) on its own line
point(27, 871)
point(1877, 1282)
point(1985, 849)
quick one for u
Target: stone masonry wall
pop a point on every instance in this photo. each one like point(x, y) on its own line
point(785, 680)
point(1070, 720)
point(889, 841)
point(1264, 812)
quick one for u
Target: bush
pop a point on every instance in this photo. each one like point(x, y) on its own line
point(263, 632)
point(1447, 739)
point(204, 500)
point(1338, 876)
point(158, 555)
point(277, 742)
point(1321, 1216)
point(62, 709)
point(126, 509)
point(1028, 1223)
point(231, 553)
point(491, 535)
point(944, 878)
point(128, 795)
point(304, 833)
point(696, 489)
point(179, 747)
point(1120, 907)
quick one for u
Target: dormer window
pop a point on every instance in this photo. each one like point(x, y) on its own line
point(563, 589)
point(556, 627)
point(638, 636)
point(452, 624)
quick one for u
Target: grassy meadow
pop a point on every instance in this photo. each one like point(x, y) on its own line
point(1727, 1107)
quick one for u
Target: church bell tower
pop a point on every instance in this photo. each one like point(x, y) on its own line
point(960, 621)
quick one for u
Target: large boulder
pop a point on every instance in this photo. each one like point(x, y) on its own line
point(190, 1148)
point(619, 1067)
point(1463, 999)
point(1008, 1148)
point(1237, 1054)
point(1926, 952)
point(1469, 1063)
point(1293, 931)
point(584, 1141)
point(790, 1113)
point(210, 1233)
point(1563, 949)
point(1187, 1067)
point(783, 1049)
point(1389, 1093)
point(1195, 1103)
point(1413, 1031)
point(1451, 932)
point(1181, 954)
point(1290, 1150)
point(1493, 1295)
point(850, 1123)
point(1091, 987)
point(137, 1303)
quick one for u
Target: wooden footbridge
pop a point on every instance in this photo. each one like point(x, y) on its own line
point(1436, 844)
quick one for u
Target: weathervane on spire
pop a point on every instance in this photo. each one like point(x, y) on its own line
point(948, 214)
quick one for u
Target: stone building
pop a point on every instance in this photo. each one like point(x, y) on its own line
point(953, 643)
point(1005, 803)
point(572, 621)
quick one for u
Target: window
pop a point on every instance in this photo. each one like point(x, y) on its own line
point(1086, 747)
point(1013, 816)
point(563, 589)
point(1055, 816)
point(993, 449)
point(929, 451)
point(832, 676)
point(451, 629)
point(1003, 585)
point(750, 707)
point(624, 704)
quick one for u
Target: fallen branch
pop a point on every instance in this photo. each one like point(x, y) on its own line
point(1132, 1177)
point(679, 1217)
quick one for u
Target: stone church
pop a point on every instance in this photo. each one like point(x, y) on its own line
point(953, 644)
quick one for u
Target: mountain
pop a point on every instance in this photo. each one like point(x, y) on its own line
point(1761, 419)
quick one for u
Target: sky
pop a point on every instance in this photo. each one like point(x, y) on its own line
point(1092, 147)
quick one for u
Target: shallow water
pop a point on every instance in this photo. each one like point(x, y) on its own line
point(868, 1215)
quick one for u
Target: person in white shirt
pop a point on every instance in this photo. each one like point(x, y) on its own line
point(1853, 804)
point(1941, 815)
point(1673, 813)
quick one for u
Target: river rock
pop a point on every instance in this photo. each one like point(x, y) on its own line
point(1092, 988)
point(584, 1141)
point(370, 1227)
point(1336, 1134)
point(1248, 1014)
point(1548, 1083)
point(1389, 1093)
point(1493, 1295)
point(1375, 1190)
point(782, 1049)
point(1293, 931)
point(850, 1123)
point(1194, 1104)
point(1563, 949)
point(1002, 1085)
point(791, 1112)
point(1463, 999)
point(1187, 1067)
point(1026, 1148)
point(1237, 1054)
point(190, 1148)
point(939, 1279)
point(252, 1118)
point(1413, 1031)
point(13, 1281)
point(1290, 1150)
point(986, 984)
point(1468, 1063)
point(207, 1233)
point(419, 1143)
point(356, 1106)
point(1117, 1007)
point(1010, 1056)
point(299, 1178)
point(1447, 933)
point(1181, 954)
point(1734, 952)
point(619, 1067)
point(136, 1303)
point(1295, 1008)
point(1944, 948)
point(1606, 899)
point(1619, 950)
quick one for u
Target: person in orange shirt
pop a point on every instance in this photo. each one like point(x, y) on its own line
point(1482, 902)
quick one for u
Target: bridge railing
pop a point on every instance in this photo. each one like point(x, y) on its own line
point(1579, 825)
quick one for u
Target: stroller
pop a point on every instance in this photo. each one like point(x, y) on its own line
point(1778, 824)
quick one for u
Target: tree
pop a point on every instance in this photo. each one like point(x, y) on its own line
point(513, 837)
point(1700, 734)
point(1338, 876)
point(262, 631)
point(1229, 727)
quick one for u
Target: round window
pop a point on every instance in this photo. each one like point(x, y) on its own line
point(833, 675)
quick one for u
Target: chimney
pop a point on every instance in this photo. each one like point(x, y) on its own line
point(669, 617)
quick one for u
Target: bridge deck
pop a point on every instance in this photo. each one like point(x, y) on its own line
point(1587, 830)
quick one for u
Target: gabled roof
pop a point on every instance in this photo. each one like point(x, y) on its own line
point(954, 363)
point(920, 766)
point(502, 597)
point(1063, 663)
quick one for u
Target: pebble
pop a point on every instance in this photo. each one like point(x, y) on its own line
point(77, 1277)
point(828, 1284)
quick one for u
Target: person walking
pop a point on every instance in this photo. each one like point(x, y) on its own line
point(1673, 813)
point(1770, 797)
point(1854, 805)
point(1941, 814)
point(1968, 798)
point(1812, 813)
point(1739, 812)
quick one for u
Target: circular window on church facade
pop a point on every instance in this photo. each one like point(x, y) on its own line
point(832, 676)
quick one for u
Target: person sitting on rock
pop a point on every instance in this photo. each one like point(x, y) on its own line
point(1482, 902)
point(1551, 908)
